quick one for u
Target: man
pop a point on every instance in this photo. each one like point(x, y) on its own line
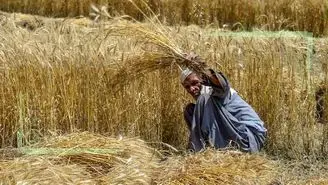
point(220, 117)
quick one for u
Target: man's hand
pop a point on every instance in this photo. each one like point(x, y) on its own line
point(210, 77)
point(191, 56)
point(195, 62)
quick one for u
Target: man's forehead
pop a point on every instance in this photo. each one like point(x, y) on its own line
point(193, 76)
point(184, 74)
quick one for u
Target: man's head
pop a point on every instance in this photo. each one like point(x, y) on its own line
point(191, 82)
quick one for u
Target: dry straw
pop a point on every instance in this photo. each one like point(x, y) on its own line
point(130, 161)
point(39, 170)
point(130, 151)
point(218, 167)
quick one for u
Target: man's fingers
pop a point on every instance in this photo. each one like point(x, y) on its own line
point(191, 56)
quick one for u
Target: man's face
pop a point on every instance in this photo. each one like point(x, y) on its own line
point(193, 85)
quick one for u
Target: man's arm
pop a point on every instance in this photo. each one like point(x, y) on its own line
point(212, 77)
point(219, 83)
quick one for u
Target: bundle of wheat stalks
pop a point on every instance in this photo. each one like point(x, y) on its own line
point(82, 158)
point(159, 50)
point(85, 158)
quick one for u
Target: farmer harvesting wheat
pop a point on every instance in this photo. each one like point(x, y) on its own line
point(220, 116)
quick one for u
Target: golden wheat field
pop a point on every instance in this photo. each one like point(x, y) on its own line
point(98, 100)
point(308, 15)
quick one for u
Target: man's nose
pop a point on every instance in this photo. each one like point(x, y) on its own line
point(193, 88)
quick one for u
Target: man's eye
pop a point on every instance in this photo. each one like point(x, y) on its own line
point(194, 83)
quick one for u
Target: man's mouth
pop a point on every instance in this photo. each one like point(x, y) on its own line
point(196, 93)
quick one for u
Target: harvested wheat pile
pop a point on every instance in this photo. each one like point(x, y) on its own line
point(29, 22)
point(105, 160)
point(85, 158)
point(218, 167)
point(42, 171)
point(117, 154)
point(34, 22)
